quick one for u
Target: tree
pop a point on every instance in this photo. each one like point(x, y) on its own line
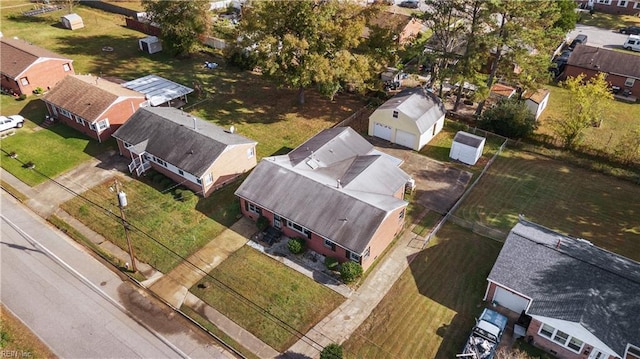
point(182, 23)
point(303, 43)
point(331, 351)
point(568, 15)
point(587, 106)
point(510, 118)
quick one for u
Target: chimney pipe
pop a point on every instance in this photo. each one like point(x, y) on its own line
point(558, 244)
point(339, 186)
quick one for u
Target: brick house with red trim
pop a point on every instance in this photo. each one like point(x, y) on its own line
point(192, 152)
point(622, 69)
point(92, 105)
point(25, 67)
point(582, 301)
point(620, 7)
point(336, 191)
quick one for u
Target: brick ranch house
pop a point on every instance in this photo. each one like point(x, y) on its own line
point(583, 301)
point(623, 70)
point(190, 151)
point(622, 7)
point(92, 105)
point(26, 67)
point(336, 191)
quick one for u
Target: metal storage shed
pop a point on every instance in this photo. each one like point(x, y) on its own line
point(160, 91)
point(467, 148)
point(150, 44)
point(72, 21)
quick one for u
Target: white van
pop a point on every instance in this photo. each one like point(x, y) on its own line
point(632, 43)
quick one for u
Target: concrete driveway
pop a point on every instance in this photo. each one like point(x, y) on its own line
point(598, 37)
point(438, 185)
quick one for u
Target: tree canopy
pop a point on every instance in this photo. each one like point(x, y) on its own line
point(300, 44)
point(182, 23)
point(510, 118)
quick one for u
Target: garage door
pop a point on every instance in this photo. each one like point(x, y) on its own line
point(382, 131)
point(510, 300)
point(405, 139)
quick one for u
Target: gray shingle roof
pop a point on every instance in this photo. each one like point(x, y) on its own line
point(170, 135)
point(570, 279)
point(420, 105)
point(17, 55)
point(468, 139)
point(609, 61)
point(303, 187)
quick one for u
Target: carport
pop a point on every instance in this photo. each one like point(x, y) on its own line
point(160, 91)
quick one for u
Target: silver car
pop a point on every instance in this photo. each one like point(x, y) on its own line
point(9, 122)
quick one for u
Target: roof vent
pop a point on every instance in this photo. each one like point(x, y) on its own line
point(195, 127)
point(339, 185)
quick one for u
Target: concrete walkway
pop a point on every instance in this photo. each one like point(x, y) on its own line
point(344, 320)
point(174, 286)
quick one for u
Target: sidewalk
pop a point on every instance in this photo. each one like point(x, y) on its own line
point(344, 320)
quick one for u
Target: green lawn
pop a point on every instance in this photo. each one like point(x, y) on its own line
point(183, 227)
point(287, 297)
point(572, 200)
point(430, 309)
point(608, 21)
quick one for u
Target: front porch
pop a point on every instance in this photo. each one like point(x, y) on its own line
point(139, 164)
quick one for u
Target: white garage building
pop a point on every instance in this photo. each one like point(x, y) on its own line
point(467, 148)
point(411, 118)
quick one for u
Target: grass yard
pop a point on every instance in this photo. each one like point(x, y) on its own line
point(581, 203)
point(288, 296)
point(608, 21)
point(183, 227)
point(431, 308)
point(17, 341)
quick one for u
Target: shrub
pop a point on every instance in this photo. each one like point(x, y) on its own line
point(509, 118)
point(243, 60)
point(187, 195)
point(331, 263)
point(297, 245)
point(262, 223)
point(166, 182)
point(157, 178)
point(332, 351)
point(38, 90)
point(177, 194)
point(22, 97)
point(350, 271)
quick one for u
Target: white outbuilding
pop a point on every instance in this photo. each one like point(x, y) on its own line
point(150, 44)
point(467, 148)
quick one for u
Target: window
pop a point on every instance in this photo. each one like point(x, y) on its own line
point(395, 114)
point(367, 252)
point(253, 208)
point(66, 67)
point(575, 344)
point(93, 126)
point(127, 145)
point(199, 181)
point(65, 113)
point(633, 352)
point(547, 331)
point(561, 337)
point(103, 125)
point(208, 179)
point(24, 81)
point(629, 82)
point(181, 172)
point(160, 162)
point(637, 5)
point(300, 229)
point(622, 3)
point(401, 216)
point(329, 244)
point(250, 152)
point(606, 2)
point(79, 119)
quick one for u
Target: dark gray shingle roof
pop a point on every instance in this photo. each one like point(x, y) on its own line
point(420, 105)
point(571, 279)
point(468, 139)
point(609, 61)
point(170, 135)
point(303, 187)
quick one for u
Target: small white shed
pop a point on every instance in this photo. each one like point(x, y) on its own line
point(150, 44)
point(72, 21)
point(537, 101)
point(467, 148)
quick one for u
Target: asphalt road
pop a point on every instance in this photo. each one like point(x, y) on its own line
point(79, 308)
point(598, 37)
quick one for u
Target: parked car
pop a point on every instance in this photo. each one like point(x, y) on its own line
point(579, 40)
point(409, 4)
point(9, 122)
point(632, 43)
point(632, 30)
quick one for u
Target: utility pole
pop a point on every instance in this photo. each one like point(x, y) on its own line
point(122, 202)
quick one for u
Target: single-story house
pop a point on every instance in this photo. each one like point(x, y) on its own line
point(336, 191)
point(194, 153)
point(160, 91)
point(411, 118)
point(24, 66)
point(537, 101)
point(622, 69)
point(92, 105)
point(581, 300)
point(466, 148)
point(622, 7)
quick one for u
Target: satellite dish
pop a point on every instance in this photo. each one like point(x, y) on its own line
point(232, 129)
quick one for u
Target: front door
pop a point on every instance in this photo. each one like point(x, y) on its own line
point(277, 223)
point(596, 354)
